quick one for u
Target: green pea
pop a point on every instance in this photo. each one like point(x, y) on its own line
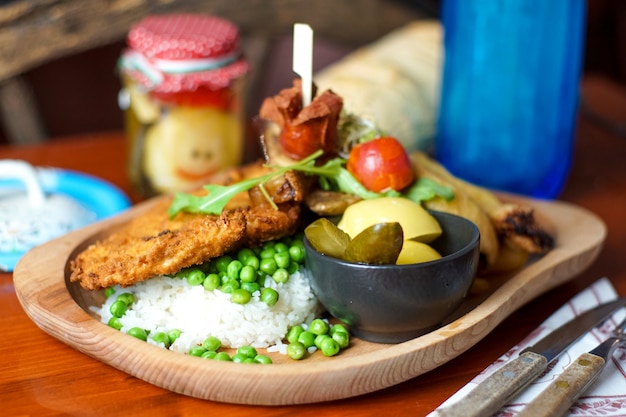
point(281, 247)
point(319, 339)
point(195, 276)
point(209, 267)
point(319, 326)
point(251, 287)
point(118, 308)
point(225, 279)
point(139, 333)
point(238, 358)
point(262, 278)
point(296, 350)
point(230, 286)
point(244, 254)
point(306, 338)
point(338, 328)
point(212, 343)
point(342, 339)
point(127, 298)
point(162, 337)
point(296, 252)
point(293, 267)
point(269, 296)
point(262, 359)
point(196, 351)
point(267, 253)
point(294, 333)
point(248, 351)
point(329, 346)
point(280, 276)
point(221, 263)
point(252, 261)
point(247, 274)
point(109, 292)
point(174, 334)
point(209, 354)
point(268, 265)
point(222, 356)
point(269, 244)
point(240, 296)
point(212, 282)
point(116, 323)
point(282, 259)
point(234, 268)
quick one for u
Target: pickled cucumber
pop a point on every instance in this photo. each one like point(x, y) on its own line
point(378, 244)
point(326, 238)
point(417, 223)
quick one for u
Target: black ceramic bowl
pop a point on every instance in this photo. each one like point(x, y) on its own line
point(395, 303)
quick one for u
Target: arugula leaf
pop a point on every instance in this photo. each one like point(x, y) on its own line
point(212, 203)
point(219, 195)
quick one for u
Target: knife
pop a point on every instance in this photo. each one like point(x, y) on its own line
point(561, 394)
point(494, 392)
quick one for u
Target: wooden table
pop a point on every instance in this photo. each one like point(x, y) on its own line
point(41, 376)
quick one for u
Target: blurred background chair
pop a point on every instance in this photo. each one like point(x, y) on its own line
point(58, 57)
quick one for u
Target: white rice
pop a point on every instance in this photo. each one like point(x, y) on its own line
point(163, 304)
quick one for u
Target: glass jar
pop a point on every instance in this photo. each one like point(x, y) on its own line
point(182, 79)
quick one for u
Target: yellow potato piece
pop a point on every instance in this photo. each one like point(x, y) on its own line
point(417, 223)
point(415, 252)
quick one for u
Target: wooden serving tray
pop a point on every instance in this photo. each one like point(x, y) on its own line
point(61, 309)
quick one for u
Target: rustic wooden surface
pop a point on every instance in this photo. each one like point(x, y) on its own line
point(41, 376)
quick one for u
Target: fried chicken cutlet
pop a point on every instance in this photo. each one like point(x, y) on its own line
point(152, 244)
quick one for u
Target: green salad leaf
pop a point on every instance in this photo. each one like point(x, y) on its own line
point(425, 189)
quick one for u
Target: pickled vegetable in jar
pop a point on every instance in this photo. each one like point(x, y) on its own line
point(182, 78)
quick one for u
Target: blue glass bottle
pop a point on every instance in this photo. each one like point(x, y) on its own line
point(510, 90)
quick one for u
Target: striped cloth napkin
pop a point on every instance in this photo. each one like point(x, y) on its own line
point(607, 396)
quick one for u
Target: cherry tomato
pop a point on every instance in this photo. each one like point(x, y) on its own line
point(381, 164)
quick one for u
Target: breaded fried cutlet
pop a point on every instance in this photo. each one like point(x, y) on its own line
point(152, 244)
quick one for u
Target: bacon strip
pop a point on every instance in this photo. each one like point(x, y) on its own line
point(304, 130)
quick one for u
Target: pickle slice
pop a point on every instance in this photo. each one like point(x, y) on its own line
point(326, 238)
point(378, 244)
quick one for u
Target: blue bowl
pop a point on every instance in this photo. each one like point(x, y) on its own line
point(101, 198)
point(396, 303)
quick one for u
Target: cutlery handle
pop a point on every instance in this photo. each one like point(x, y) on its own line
point(492, 393)
point(561, 394)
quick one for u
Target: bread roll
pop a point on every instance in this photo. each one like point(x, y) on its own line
point(394, 82)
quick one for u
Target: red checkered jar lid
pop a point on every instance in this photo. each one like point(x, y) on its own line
point(182, 52)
